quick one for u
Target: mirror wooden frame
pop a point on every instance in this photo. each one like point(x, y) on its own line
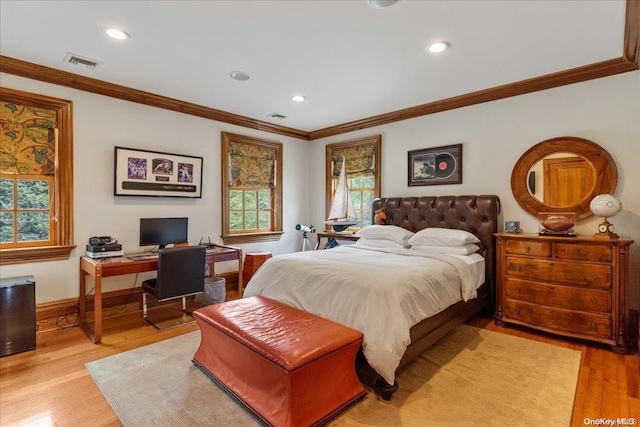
point(602, 162)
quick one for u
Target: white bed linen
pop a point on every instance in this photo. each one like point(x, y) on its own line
point(477, 266)
point(381, 293)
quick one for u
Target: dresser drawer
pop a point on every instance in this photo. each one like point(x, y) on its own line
point(595, 276)
point(519, 247)
point(568, 297)
point(590, 324)
point(582, 252)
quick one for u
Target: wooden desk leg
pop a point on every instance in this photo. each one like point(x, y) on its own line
point(97, 307)
point(96, 333)
point(317, 243)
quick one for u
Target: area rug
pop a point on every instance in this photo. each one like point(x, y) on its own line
point(471, 377)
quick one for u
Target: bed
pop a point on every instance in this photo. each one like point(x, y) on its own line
point(395, 296)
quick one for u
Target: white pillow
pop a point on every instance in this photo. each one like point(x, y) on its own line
point(378, 243)
point(453, 250)
point(442, 237)
point(388, 232)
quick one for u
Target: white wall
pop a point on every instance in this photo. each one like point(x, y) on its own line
point(494, 136)
point(99, 124)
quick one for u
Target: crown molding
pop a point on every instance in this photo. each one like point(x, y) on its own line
point(632, 32)
point(87, 84)
point(549, 81)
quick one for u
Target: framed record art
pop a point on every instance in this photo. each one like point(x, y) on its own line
point(438, 165)
point(152, 173)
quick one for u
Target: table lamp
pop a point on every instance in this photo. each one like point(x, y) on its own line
point(606, 206)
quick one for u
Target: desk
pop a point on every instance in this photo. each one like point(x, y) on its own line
point(333, 236)
point(108, 267)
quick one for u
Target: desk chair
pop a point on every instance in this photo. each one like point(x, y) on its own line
point(180, 274)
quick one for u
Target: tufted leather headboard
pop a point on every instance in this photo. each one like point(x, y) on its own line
point(476, 214)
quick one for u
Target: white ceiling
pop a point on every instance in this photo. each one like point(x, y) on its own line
point(350, 60)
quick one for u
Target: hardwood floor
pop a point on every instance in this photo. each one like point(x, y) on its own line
point(51, 386)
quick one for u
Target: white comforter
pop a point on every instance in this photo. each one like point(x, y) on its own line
point(381, 293)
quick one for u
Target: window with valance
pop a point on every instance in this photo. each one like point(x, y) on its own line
point(36, 203)
point(251, 189)
point(360, 160)
point(362, 167)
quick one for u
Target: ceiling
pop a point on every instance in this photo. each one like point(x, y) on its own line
point(350, 60)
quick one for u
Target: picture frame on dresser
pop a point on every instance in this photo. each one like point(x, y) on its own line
point(140, 172)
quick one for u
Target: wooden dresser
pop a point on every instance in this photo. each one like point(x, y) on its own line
point(572, 286)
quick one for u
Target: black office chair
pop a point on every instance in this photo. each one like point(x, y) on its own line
point(180, 274)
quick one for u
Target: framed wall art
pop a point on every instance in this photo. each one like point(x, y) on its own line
point(438, 165)
point(156, 174)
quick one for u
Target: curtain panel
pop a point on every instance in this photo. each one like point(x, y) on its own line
point(27, 140)
point(360, 160)
point(252, 166)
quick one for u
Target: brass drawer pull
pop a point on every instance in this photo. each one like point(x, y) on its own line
point(527, 248)
point(594, 275)
point(594, 300)
point(517, 311)
point(518, 289)
point(593, 325)
point(583, 252)
point(517, 267)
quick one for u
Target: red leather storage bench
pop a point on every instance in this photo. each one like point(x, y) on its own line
point(289, 367)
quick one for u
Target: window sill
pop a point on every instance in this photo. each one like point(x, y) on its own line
point(270, 236)
point(44, 253)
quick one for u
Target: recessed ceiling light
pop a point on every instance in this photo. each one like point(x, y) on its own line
point(438, 47)
point(379, 4)
point(298, 98)
point(239, 75)
point(117, 34)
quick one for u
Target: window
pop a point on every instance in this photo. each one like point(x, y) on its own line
point(25, 210)
point(362, 164)
point(251, 189)
point(36, 185)
point(362, 191)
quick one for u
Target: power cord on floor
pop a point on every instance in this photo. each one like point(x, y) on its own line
point(71, 317)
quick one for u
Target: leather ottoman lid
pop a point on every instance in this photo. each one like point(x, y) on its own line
point(287, 336)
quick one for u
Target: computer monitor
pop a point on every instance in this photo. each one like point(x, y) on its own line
point(163, 231)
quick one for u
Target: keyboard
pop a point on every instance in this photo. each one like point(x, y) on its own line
point(155, 256)
point(142, 257)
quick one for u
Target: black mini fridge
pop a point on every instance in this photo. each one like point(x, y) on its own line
point(17, 315)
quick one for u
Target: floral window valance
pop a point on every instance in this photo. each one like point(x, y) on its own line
point(360, 160)
point(27, 140)
point(252, 166)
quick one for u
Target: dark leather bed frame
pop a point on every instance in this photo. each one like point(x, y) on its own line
point(476, 214)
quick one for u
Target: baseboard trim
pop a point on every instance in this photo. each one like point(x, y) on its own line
point(50, 311)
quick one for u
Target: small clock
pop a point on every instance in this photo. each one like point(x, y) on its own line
point(606, 231)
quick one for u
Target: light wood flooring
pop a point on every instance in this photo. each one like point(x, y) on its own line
point(51, 386)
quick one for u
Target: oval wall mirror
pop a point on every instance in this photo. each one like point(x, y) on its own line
point(563, 175)
point(561, 179)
